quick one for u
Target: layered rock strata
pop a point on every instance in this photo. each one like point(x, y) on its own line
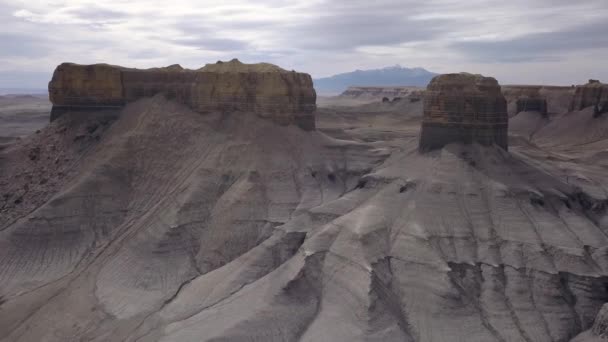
point(286, 97)
point(463, 108)
point(592, 94)
point(558, 98)
point(532, 104)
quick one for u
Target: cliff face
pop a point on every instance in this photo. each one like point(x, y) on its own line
point(593, 93)
point(267, 90)
point(86, 85)
point(464, 108)
point(532, 104)
point(557, 99)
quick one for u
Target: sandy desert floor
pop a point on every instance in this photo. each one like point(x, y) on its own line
point(157, 223)
point(21, 115)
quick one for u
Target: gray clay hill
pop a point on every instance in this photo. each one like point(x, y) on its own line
point(221, 204)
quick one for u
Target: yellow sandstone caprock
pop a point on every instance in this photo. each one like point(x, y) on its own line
point(463, 108)
point(286, 97)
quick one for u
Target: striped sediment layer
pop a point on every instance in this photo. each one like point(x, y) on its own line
point(592, 94)
point(532, 104)
point(286, 97)
point(463, 108)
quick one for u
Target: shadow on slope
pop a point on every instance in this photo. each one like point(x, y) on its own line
point(165, 196)
point(189, 227)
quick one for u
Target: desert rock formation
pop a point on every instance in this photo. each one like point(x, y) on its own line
point(592, 94)
point(265, 89)
point(558, 98)
point(600, 325)
point(535, 104)
point(599, 330)
point(463, 108)
point(151, 222)
point(21, 115)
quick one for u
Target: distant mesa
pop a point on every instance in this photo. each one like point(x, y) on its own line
point(389, 77)
point(285, 97)
point(464, 108)
point(593, 94)
point(545, 99)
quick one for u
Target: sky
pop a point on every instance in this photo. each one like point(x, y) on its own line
point(516, 41)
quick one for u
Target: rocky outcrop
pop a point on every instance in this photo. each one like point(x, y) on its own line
point(592, 94)
point(170, 225)
point(286, 97)
point(85, 87)
point(557, 98)
point(463, 108)
point(599, 330)
point(532, 104)
point(600, 325)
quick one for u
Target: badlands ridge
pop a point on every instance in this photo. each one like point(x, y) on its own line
point(220, 204)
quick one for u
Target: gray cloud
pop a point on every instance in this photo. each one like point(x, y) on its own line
point(549, 46)
point(21, 45)
point(25, 79)
point(98, 14)
point(145, 54)
point(335, 26)
point(203, 36)
point(320, 37)
point(347, 32)
point(213, 44)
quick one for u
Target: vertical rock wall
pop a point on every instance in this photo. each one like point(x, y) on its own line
point(532, 104)
point(591, 94)
point(86, 85)
point(463, 108)
point(557, 98)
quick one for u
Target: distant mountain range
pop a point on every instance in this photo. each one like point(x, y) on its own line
point(389, 76)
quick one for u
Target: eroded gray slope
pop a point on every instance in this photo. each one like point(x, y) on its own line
point(461, 245)
point(167, 195)
point(232, 228)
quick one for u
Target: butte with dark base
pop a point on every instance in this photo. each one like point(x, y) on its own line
point(463, 108)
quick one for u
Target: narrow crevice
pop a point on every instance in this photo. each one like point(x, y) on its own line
point(502, 277)
point(530, 281)
point(387, 294)
point(570, 299)
point(472, 297)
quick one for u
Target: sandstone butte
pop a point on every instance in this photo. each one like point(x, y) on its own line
point(285, 97)
point(591, 94)
point(463, 108)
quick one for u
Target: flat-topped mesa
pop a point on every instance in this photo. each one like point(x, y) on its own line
point(463, 108)
point(593, 94)
point(286, 97)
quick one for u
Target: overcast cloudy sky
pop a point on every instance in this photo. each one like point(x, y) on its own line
point(516, 41)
